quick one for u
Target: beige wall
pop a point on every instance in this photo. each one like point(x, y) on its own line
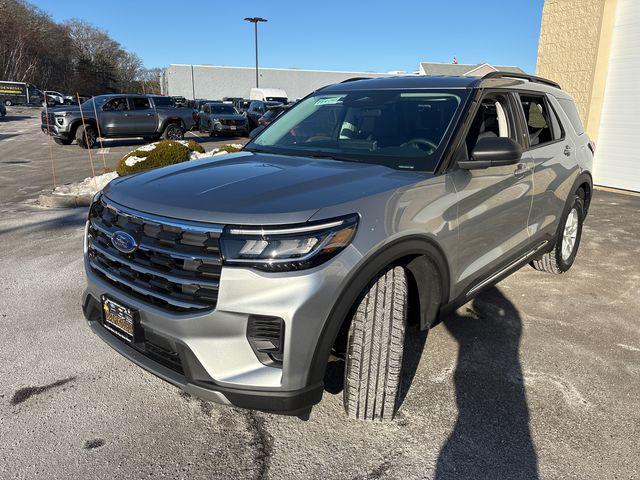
point(574, 51)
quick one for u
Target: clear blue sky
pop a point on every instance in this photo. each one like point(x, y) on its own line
point(369, 35)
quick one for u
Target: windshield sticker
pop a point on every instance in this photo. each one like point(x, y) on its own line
point(329, 101)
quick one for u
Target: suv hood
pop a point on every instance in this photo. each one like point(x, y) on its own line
point(253, 188)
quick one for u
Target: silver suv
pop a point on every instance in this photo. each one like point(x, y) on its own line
point(239, 278)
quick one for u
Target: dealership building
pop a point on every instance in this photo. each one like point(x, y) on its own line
point(592, 48)
point(216, 82)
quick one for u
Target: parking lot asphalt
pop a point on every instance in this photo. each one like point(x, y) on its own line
point(536, 378)
point(25, 155)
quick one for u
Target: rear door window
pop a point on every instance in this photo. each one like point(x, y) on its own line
point(537, 120)
point(141, 103)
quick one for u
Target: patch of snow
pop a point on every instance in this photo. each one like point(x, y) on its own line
point(88, 186)
point(131, 161)
point(147, 148)
point(197, 155)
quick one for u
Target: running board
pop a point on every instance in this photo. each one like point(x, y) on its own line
point(512, 265)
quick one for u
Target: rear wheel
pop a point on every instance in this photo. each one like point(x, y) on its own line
point(8, 102)
point(375, 348)
point(87, 140)
point(173, 131)
point(560, 259)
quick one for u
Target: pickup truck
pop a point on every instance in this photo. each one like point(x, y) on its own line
point(118, 115)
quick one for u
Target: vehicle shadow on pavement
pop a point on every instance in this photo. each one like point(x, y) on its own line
point(491, 437)
point(74, 219)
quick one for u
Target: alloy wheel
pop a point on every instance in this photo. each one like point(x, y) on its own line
point(570, 234)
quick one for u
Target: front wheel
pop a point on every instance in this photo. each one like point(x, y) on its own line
point(88, 139)
point(8, 102)
point(560, 259)
point(375, 348)
point(173, 131)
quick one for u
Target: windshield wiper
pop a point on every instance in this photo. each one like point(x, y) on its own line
point(331, 156)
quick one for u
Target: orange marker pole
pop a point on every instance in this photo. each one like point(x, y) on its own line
point(84, 126)
point(53, 166)
point(95, 111)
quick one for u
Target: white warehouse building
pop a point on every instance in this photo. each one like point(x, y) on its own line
point(215, 82)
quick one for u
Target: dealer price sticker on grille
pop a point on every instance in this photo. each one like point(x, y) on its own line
point(118, 318)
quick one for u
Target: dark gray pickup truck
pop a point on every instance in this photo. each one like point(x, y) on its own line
point(117, 115)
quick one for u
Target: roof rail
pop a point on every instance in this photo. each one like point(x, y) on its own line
point(354, 79)
point(523, 76)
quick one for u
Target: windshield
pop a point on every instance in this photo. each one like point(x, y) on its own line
point(221, 108)
point(395, 128)
point(99, 101)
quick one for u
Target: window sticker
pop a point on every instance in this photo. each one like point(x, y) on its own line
point(329, 101)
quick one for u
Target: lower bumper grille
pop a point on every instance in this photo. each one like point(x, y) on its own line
point(173, 266)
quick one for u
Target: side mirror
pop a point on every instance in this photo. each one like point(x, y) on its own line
point(254, 133)
point(493, 152)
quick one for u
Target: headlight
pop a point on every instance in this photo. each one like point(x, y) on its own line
point(278, 249)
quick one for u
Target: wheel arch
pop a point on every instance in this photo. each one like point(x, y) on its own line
point(425, 263)
point(169, 121)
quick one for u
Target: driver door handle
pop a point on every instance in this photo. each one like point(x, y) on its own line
point(522, 169)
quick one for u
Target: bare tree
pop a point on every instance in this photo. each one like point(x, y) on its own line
point(74, 56)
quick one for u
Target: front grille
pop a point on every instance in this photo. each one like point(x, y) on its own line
point(175, 266)
point(231, 121)
point(52, 117)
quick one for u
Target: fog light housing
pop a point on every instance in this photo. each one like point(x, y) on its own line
point(266, 337)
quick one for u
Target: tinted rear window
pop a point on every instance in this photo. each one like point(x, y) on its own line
point(572, 112)
point(163, 101)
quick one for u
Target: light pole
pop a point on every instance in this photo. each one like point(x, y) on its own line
point(255, 21)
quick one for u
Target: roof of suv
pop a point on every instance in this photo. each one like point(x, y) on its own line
point(494, 79)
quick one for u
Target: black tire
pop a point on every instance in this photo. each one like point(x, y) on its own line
point(63, 141)
point(375, 347)
point(173, 131)
point(210, 130)
point(87, 141)
point(8, 102)
point(554, 261)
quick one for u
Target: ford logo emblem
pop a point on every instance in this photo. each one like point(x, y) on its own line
point(124, 242)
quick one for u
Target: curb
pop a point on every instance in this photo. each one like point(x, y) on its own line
point(64, 201)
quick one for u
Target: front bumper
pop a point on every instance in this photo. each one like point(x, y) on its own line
point(217, 360)
point(192, 381)
point(54, 131)
point(231, 129)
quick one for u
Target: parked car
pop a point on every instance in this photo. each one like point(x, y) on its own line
point(119, 115)
point(20, 93)
point(222, 118)
point(256, 109)
point(242, 105)
point(60, 98)
point(268, 95)
point(272, 113)
point(237, 279)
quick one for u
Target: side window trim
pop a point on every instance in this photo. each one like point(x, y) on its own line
point(543, 95)
point(554, 113)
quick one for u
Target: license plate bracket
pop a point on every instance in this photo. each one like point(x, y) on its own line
point(121, 320)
